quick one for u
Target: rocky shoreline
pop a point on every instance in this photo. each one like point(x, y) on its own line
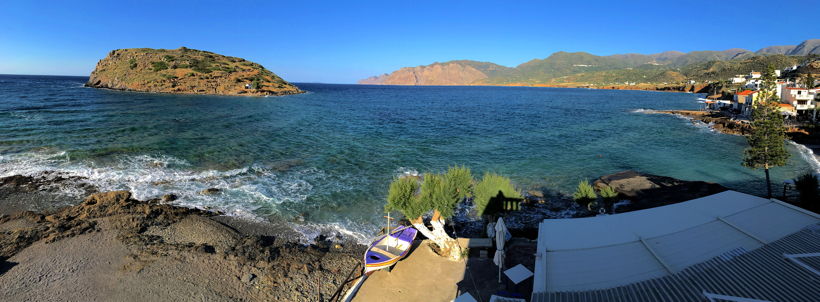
point(806, 135)
point(111, 246)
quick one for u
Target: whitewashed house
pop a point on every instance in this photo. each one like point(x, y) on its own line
point(754, 75)
point(802, 99)
point(737, 79)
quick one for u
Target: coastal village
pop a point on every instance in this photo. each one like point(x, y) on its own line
point(795, 87)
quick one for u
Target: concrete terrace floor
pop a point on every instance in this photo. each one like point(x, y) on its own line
point(425, 276)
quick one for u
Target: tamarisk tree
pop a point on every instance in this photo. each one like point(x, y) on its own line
point(767, 140)
point(439, 193)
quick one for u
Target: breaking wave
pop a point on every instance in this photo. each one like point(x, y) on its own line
point(808, 156)
point(252, 192)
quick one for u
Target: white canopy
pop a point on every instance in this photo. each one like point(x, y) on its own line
point(601, 252)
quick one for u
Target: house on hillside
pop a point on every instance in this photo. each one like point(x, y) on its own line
point(802, 99)
point(754, 75)
point(743, 101)
point(753, 84)
point(788, 110)
point(737, 79)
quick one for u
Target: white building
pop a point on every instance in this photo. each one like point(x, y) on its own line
point(804, 100)
point(754, 75)
point(737, 79)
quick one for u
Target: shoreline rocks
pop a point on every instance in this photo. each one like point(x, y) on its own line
point(647, 191)
point(162, 241)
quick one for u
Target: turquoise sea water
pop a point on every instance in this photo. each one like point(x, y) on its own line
point(324, 159)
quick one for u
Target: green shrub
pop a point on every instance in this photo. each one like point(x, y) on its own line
point(585, 193)
point(132, 63)
point(202, 66)
point(168, 58)
point(488, 188)
point(157, 66)
point(256, 84)
point(608, 193)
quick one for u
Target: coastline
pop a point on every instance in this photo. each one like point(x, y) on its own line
point(112, 245)
point(806, 138)
point(698, 88)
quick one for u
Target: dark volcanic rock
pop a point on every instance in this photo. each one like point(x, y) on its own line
point(647, 190)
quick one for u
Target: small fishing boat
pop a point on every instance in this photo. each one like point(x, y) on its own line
point(389, 249)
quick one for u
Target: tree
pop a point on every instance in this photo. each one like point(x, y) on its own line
point(439, 193)
point(585, 194)
point(806, 185)
point(490, 186)
point(808, 80)
point(767, 138)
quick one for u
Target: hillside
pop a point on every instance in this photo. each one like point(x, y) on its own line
point(448, 73)
point(585, 69)
point(185, 71)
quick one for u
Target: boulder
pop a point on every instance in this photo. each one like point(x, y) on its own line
point(647, 190)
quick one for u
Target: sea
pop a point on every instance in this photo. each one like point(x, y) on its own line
point(322, 161)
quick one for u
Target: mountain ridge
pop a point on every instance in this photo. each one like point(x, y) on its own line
point(562, 66)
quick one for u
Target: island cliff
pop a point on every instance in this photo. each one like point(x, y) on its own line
point(185, 71)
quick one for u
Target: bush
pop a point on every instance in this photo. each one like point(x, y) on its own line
point(806, 186)
point(157, 66)
point(488, 188)
point(202, 66)
point(460, 179)
point(256, 84)
point(132, 63)
point(608, 193)
point(584, 194)
point(168, 58)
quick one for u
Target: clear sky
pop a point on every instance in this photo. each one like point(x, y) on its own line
point(343, 41)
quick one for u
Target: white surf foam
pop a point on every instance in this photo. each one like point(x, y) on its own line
point(243, 191)
point(644, 110)
point(808, 156)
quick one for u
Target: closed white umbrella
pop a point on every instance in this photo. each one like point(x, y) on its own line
point(500, 239)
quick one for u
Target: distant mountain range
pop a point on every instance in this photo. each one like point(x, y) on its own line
point(584, 69)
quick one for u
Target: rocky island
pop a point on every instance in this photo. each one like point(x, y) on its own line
point(185, 71)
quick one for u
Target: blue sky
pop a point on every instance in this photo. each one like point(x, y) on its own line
point(343, 41)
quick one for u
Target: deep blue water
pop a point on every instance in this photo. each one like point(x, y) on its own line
point(326, 157)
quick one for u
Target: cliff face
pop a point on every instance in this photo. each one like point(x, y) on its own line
point(185, 71)
point(449, 73)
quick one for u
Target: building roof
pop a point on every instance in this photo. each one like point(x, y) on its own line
point(788, 107)
point(641, 248)
point(764, 274)
point(746, 92)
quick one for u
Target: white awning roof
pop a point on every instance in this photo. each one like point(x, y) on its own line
point(583, 254)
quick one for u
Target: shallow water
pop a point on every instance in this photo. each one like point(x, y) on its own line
point(324, 159)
